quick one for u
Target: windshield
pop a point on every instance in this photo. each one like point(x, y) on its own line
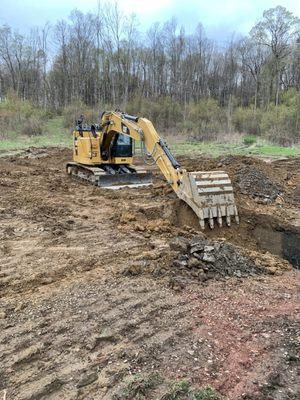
point(124, 140)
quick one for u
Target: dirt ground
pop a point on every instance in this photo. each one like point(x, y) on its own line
point(101, 287)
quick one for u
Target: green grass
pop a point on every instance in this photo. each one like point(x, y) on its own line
point(143, 387)
point(55, 135)
point(217, 149)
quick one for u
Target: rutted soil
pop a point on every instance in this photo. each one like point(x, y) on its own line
point(99, 287)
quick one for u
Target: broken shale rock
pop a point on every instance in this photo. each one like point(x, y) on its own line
point(206, 259)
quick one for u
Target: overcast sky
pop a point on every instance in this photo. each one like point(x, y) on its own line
point(219, 17)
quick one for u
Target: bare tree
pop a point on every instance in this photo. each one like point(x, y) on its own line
point(277, 29)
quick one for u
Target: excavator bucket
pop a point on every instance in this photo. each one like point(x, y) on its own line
point(210, 195)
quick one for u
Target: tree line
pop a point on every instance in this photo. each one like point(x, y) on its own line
point(103, 58)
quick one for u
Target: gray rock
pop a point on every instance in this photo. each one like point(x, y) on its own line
point(195, 273)
point(180, 264)
point(202, 277)
point(208, 249)
point(193, 262)
point(196, 248)
point(179, 244)
point(199, 256)
point(209, 258)
point(217, 246)
point(199, 239)
point(107, 335)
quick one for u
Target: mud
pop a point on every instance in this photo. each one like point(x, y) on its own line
point(92, 295)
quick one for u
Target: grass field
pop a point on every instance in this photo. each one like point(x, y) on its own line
point(55, 135)
point(216, 149)
point(58, 136)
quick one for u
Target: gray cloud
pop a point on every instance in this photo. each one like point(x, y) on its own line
point(219, 17)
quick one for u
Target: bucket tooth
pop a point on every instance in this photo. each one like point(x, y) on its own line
point(228, 218)
point(211, 219)
point(236, 215)
point(202, 223)
point(219, 219)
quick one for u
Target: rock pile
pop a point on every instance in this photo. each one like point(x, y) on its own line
point(207, 259)
point(255, 183)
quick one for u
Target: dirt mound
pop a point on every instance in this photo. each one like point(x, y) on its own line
point(34, 152)
point(262, 180)
point(207, 259)
point(255, 183)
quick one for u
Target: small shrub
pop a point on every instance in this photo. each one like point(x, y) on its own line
point(164, 113)
point(183, 390)
point(207, 394)
point(249, 140)
point(32, 127)
point(22, 116)
point(245, 120)
point(74, 111)
point(206, 120)
point(281, 124)
point(178, 390)
point(139, 387)
point(187, 126)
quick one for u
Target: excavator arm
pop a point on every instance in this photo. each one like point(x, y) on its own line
point(209, 194)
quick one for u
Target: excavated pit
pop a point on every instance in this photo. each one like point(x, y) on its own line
point(283, 243)
point(255, 231)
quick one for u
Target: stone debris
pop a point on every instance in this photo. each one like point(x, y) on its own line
point(179, 244)
point(255, 183)
point(205, 259)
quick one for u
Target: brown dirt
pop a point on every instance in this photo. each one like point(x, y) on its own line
point(90, 295)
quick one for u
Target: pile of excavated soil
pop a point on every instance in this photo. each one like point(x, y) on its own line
point(253, 177)
point(212, 259)
point(196, 258)
point(255, 183)
point(205, 259)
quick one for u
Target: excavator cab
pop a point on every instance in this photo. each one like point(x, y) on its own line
point(122, 146)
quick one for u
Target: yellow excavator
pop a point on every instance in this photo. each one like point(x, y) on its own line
point(103, 155)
